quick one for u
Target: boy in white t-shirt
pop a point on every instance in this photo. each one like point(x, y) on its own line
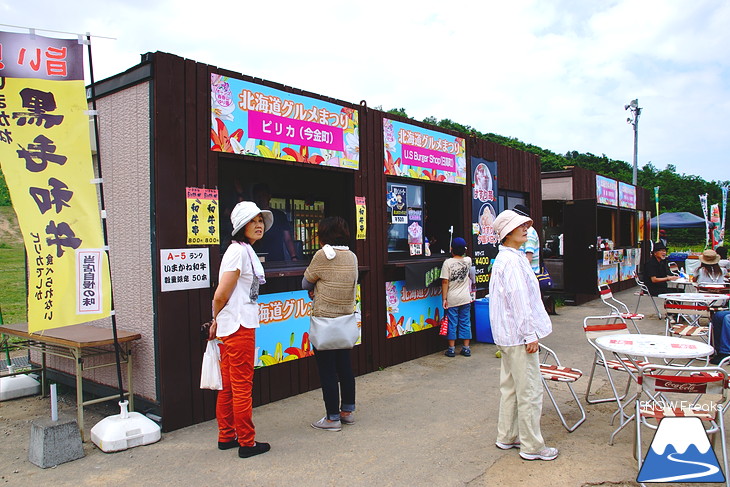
point(457, 277)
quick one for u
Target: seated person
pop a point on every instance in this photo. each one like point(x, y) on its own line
point(656, 271)
point(709, 271)
point(724, 262)
point(277, 243)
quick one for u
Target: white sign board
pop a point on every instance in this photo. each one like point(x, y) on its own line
point(184, 269)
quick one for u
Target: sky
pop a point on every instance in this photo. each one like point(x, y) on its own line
point(553, 73)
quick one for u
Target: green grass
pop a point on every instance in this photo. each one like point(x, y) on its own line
point(12, 269)
point(12, 283)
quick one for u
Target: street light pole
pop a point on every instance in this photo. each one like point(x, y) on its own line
point(634, 120)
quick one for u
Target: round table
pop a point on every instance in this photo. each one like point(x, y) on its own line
point(654, 346)
point(708, 298)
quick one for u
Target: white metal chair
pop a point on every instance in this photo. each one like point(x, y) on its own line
point(666, 391)
point(644, 291)
point(617, 307)
point(688, 317)
point(552, 371)
point(674, 268)
point(594, 327)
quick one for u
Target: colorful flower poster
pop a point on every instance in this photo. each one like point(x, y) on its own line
point(607, 274)
point(252, 119)
point(420, 153)
point(284, 331)
point(606, 191)
point(626, 195)
point(410, 310)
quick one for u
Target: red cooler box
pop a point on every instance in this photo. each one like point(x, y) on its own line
point(481, 318)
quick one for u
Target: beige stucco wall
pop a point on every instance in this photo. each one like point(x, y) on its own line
point(124, 122)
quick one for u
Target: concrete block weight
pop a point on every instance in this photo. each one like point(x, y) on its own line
point(54, 442)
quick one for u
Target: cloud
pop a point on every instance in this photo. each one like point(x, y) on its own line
point(552, 73)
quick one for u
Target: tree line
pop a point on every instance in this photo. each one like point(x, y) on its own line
point(678, 192)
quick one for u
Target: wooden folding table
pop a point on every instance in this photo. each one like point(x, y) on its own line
point(78, 343)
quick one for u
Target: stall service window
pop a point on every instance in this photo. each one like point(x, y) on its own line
point(298, 197)
point(627, 227)
point(419, 216)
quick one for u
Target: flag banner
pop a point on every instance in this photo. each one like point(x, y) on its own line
point(703, 203)
point(45, 154)
point(724, 211)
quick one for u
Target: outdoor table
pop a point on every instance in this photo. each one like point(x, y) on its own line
point(710, 299)
point(77, 342)
point(629, 346)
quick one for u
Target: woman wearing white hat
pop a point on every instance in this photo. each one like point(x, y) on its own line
point(518, 319)
point(235, 319)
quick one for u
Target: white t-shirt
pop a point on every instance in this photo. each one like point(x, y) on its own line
point(242, 308)
point(456, 271)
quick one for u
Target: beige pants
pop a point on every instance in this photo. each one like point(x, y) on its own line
point(520, 406)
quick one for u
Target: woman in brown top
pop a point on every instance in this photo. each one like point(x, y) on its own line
point(331, 279)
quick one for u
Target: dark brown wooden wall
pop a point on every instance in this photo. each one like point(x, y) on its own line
point(181, 157)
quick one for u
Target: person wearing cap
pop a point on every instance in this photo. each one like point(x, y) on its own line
point(235, 319)
point(457, 277)
point(531, 248)
point(656, 270)
point(518, 319)
point(709, 271)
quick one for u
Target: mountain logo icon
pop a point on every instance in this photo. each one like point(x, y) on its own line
point(680, 452)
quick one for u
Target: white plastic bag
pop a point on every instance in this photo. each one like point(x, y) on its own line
point(210, 374)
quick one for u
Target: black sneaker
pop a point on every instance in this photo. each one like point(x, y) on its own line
point(227, 445)
point(256, 449)
point(450, 352)
point(466, 352)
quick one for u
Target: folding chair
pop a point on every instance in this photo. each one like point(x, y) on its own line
point(617, 307)
point(666, 391)
point(594, 327)
point(552, 371)
point(689, 316)
point(644, 291)
point(674, 268)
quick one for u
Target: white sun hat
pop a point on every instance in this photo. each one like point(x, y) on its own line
point(245, 211)
point(507, 221)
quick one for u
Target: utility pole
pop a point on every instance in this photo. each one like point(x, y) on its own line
point(634, 120)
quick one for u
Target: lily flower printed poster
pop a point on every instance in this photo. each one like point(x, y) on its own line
point(411, 310)
point(416, 152)
point(284, 331)
point(252, 119)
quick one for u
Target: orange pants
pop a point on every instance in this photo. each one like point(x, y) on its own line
point(234, 407)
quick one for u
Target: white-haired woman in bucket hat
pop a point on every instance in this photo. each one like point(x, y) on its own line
point(518, 319)
point(235, 319)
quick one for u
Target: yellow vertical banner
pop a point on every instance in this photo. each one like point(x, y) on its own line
point(202, 216)
point(49, 173)
point(45, 154)
point(360, 217)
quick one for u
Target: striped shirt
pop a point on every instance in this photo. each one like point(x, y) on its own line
point(516, 311)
